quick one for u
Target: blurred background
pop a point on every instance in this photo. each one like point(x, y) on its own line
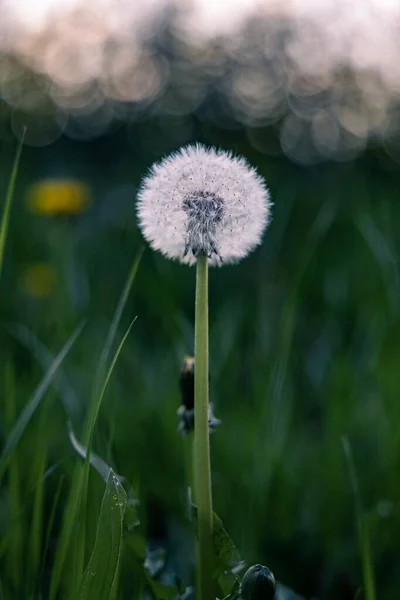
point(304, 333)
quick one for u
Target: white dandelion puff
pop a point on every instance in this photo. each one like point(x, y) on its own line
point(202, 200)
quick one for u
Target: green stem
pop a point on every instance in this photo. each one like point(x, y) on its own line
point(202, 468)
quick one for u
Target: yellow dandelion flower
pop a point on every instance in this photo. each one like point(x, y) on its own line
point(38, 280)
point(54, 197)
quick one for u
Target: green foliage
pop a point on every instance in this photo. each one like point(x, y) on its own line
point(76, 505)
point(5, 217)
point(304, 339)
point(34, 402)
point(227, 562)
point(99, 580)
point(362, 527)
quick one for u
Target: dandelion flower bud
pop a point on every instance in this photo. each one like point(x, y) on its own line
point(203, 201)
point(258, 583)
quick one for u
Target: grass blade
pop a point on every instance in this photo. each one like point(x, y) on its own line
point(95, 409)
point(5, 218)
point(78, 491)
point(362, 529)
point(15, 542)
point(34, 401)
point(96, 461)
point(100, 575)
point(100, 371)
point(97, 404)
point(44, 357)
point(50, 523)
point(38, 472)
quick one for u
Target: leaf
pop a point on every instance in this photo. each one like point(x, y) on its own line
point(234, 593)
point(226, 554)
point(84, 482)
point(112, 332)
point(161, 591)
point(227, 561)
point(35, 400)
point(100, 574)
point(131, 518)
point(97, 463)
point(78, 491)
point(138, 544)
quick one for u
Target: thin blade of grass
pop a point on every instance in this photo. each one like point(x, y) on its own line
point(69, 524)
point(45, 357)
point(100, 575)
point(5, 218)
point(15, 542)
point(35, 400)
point(362, 528)
point(50, 523)
point(38, 472)
point(79, 554)
point(78, 492)
point(95, 404)
point(96, 461)
point(101, 368)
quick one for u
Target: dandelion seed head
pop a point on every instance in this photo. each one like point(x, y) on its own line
point(202, 200)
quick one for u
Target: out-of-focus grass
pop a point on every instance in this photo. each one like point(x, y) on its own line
point(303, 343)
point(5, 217)
point(76, 507)
point(362, 527)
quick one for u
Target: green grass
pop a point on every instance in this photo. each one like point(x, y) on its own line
point(5, 217)
point(78, 496)
point(303, 352)
point(33, 403)
point(362, 527)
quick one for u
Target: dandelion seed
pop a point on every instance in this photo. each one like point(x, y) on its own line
point(203, 201)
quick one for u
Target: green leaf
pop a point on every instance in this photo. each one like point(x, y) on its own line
point(137, 542)
point(96, 461)
point(79, 488)
point(234, 593)
point(100, 385)
point(226, 554)
point(84, 482)
point(227, 561)
point(131, 518)
point(100, 575)
point(161, 591)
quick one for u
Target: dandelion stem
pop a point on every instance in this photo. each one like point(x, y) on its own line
point(202, 468)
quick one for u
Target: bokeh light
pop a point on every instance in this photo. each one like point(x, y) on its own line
point(327, 73)
point(53, 197)
point(38, 280)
